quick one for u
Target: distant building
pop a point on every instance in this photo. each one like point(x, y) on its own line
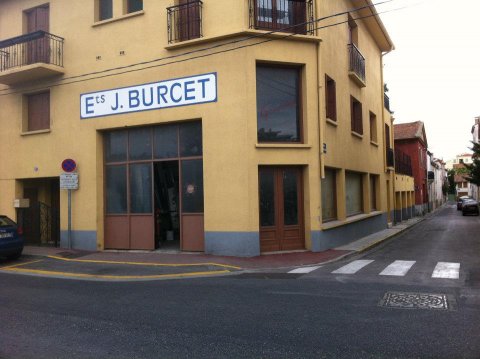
point(437, 176)
point(410, 138)
point(476, 130)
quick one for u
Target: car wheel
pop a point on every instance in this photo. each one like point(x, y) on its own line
point(15, 255)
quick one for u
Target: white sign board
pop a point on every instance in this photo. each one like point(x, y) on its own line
point(69, 180)
point(164, 94)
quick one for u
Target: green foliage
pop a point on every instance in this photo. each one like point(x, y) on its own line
point(473, 169)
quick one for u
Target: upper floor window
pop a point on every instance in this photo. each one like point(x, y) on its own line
point(134, 5)
point(184, 21)
point(38, 112)
point(331, 98)
point(356, 115)
point(278, 104)
point(282, 15)
point(105, 9)
point(373, 127)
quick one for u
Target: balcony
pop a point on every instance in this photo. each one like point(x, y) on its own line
point(30, 57)
point(387, 102)
point(356, 69)
point(184, 22)
point(403, 163)
point(291, 16)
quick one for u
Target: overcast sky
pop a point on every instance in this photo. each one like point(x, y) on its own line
point(434, 72)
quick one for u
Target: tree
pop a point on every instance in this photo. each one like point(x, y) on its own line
point(473, 169)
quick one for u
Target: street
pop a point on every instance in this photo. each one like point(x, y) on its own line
point(414, 296)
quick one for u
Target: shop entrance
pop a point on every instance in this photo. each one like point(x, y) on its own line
point(281, 208)
point(167, 211)
point(154, 188)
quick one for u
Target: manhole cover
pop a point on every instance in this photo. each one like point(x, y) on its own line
point(403, 300)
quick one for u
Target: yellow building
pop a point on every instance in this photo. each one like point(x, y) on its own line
point(232, 127)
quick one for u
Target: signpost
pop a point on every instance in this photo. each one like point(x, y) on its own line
point(69, 181)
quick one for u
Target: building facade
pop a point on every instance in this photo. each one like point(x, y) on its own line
point(230, 128)
point(411, 139)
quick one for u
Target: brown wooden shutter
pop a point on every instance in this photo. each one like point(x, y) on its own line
point(331, 100)
point(189, 20)
point(387, 136)
point(39, 112)
point(300, 16)
point(357, 123)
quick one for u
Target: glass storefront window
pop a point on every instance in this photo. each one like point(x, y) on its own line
point(329, 195)
point(278, 109)
point(192, 186)
point(165, 139)
point(354, 193)
point(141, 188)
point(116, 146)
point(116, 189)
point(191, 139)
point(140, 144)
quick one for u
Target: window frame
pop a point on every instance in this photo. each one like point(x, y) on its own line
point(299, 100)
point(335, 197)
point(127, 7)
point(98, 9)
point(29, 103)
point(361, 194)
point(373, 127)
point(356, 116)
point(330, 98)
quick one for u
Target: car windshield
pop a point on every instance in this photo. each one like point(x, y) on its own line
point(6, 222)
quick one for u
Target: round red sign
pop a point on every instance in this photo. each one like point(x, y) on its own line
point(69, 165)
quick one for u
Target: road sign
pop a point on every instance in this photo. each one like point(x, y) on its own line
point(69, 165)
point(69, 181)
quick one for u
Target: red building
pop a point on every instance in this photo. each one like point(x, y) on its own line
point(411, 139)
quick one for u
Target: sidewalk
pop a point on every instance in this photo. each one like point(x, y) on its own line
point(131, 265)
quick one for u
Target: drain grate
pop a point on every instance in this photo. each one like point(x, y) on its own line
point(403, 300)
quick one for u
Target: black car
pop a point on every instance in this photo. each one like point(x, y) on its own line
point(461, 200)
point(470, 206)
point(11, 238)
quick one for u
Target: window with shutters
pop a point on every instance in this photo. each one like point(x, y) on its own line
point(329, 195)
point(373, 128)
point(331, 98)
point(373, 192)
point(38, 112)
point(356, 115)
point(282, 15)
point(354, 193)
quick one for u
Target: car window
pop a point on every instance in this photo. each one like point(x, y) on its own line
point(6, 222)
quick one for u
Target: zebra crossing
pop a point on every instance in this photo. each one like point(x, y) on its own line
point(398, 268)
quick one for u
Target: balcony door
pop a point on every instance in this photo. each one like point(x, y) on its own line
point(38, 19)
point(281, 208)
point(189, 20)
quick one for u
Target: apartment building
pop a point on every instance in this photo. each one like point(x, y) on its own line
point(225, 127)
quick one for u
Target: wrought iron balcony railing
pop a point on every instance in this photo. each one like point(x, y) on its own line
point(357, 62)
point(403, 163)
point(35, 47)
point(387, 102)
point(295, 16)
point(184, 22)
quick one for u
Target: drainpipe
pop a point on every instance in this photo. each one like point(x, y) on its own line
point(321, 128)
point(392, 141)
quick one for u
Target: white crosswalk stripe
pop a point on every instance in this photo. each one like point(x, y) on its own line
point(353, 267)
point(303, 270)
point(398, 268)
point(446, 270)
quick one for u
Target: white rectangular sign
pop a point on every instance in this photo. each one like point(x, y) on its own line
point(69, 180)
point(169, 93)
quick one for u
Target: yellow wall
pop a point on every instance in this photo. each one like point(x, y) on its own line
point(230, 149)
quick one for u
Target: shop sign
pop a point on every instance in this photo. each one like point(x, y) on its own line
point(153, 96)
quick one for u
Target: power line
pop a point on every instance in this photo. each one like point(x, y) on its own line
point(45, 87)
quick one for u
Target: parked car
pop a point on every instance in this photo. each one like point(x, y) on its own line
point(11, 238)
point(470, 206)
point(460, 202)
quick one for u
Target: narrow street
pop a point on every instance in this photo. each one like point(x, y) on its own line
point(415, 296)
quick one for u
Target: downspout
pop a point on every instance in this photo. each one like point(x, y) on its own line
point(392, 142)
point(321, 128)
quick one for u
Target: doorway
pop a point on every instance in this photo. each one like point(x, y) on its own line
point(167, 213)
point(281, 208)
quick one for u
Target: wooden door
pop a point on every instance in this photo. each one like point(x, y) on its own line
point(38, 19)
point(188, 20)
point(281, 208)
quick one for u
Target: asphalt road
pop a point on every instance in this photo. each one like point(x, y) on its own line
point(263, 315)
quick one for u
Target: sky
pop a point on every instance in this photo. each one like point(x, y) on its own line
point(433, 75)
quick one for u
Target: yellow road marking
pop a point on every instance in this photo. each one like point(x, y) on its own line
point(145, 264)
point(100, 276)
point(21, 264)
